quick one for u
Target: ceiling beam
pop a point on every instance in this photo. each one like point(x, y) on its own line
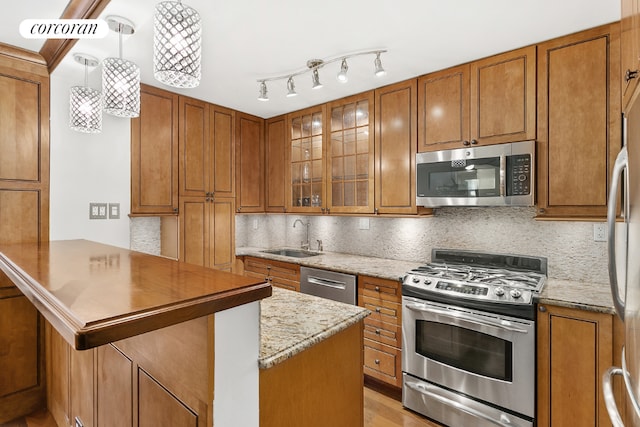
point(54, 50)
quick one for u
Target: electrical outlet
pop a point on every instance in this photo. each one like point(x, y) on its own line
point(114, 210)
point(97, 211)
point(600, 232)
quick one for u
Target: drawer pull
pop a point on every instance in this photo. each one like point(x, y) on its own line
point(377, 309)
point(377, 288)
point(377, 361)
point(377, 331)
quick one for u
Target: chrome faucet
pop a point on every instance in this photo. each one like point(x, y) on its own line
point(303, 245)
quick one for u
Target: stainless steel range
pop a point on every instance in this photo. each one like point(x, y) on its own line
point(469, 338)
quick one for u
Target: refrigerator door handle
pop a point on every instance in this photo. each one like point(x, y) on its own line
point(619, 166)
point(609, 399)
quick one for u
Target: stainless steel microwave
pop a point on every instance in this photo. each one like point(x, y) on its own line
point(491, 175)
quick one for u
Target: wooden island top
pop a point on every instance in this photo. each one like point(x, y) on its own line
point(94, 294)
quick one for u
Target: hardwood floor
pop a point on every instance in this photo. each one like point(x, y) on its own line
point(383, 411)
point(379, 411)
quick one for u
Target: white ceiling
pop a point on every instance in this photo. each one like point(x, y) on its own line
point(245, 40)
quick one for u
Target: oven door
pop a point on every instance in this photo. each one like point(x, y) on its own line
point(485, 356)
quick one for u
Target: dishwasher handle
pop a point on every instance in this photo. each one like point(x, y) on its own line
point(327, 282)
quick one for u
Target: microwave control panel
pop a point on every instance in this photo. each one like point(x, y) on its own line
point(519, 182)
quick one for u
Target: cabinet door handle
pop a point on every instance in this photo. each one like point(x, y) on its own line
point(629, 75)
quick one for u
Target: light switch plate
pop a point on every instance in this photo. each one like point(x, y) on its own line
point(114, 210)
point(97, 211)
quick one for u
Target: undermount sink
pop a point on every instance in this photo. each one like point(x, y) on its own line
point(295, 253)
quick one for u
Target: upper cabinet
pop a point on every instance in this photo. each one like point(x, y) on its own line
point(249, 163)
point(154, 154)
point(489, 101)
point(578, 122)
point(395, 148)
point(276, 147)
point(194, 147)
point(350, 155)
point(629, 49)
point(305, 179)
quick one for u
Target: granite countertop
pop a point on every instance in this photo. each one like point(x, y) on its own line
point(291, 322)
point(582, 295)
point(382, 268)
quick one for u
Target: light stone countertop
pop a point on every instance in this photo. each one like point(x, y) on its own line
point(585, 296)
point(291, 322)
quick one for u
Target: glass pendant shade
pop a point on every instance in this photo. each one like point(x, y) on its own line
point(177, 45)
point(85, 110)
point(121, 87)
point(85, 103)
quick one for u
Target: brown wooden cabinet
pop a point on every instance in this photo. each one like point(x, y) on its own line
point(281, 274)
point(207, 188)
point(163, 377)
point(395, 148)
point(629, 49)
point(249, 163)
point(574, 349)
point(489, 101)
point(305, 157)
point(350, 155)
point(207, 231)
point(154, 153)
point(24, 217)
point(382, 329)
point(578, 122)
point(276, 147)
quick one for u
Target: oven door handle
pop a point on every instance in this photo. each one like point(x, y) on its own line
point(462, 316)
point(431, 392)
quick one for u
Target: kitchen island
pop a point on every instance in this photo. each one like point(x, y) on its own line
point(131, 338)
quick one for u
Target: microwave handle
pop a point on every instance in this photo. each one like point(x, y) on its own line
point(503, 168)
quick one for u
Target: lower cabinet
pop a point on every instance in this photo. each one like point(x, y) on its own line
point(281, 274)
point(382, 329)
point(574, 349)
point(163, 377)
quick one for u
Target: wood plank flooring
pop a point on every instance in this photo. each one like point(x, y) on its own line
point(379, 411)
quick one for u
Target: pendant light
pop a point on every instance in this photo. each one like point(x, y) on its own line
point(85, 103)
point(177, 45)
point(120, 77)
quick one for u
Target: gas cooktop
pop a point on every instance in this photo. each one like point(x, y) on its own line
point(477, 280)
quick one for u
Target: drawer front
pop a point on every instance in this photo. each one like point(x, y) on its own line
point(292, 285)
point(383, 311)
point(372, 287)
point(256, 265)
point(285, 270)
point(383, 362)
point(385, 333)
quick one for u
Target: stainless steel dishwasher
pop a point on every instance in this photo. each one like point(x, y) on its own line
point(328, 284)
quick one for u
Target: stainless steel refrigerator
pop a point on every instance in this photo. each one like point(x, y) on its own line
point(624, 271)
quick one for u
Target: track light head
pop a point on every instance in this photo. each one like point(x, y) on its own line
point(291, 88)
point(378, 64)
point(262, 96)
point(342, 75)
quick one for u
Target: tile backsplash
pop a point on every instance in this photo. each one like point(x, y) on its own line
point(569, 247)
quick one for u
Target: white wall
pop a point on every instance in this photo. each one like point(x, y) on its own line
point(87, 168)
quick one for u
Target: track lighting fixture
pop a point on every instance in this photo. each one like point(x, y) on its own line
point(314, 65)
point(291, 88)
point(263, 92)
point(342, 75)
point(378, 64)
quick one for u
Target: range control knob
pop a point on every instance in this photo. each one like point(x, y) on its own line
point(499, 292)
point(416, 280)
point(515, 293)
point(427, 281)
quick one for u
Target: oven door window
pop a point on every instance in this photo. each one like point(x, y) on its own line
point(460, 178)
point(465, 349)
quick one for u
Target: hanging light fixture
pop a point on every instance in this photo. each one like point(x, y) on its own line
point(291, 88)
point(177, 45)
point(378, 64)
point(342, 75)
point(85, 103)
point(262, 96)
point(120, 77)
point(314, 65)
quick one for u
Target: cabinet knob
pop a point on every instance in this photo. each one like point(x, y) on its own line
point(175, 209)
point(474, 142)
point(542, 308)
point(377, 331)
point(465, 143)
point(238, 210)
point(207, 199)
point(377, 361)
point(377, 309)
point(629, 75)
point(375, 211)
point(377, 288)
point(541, 210)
